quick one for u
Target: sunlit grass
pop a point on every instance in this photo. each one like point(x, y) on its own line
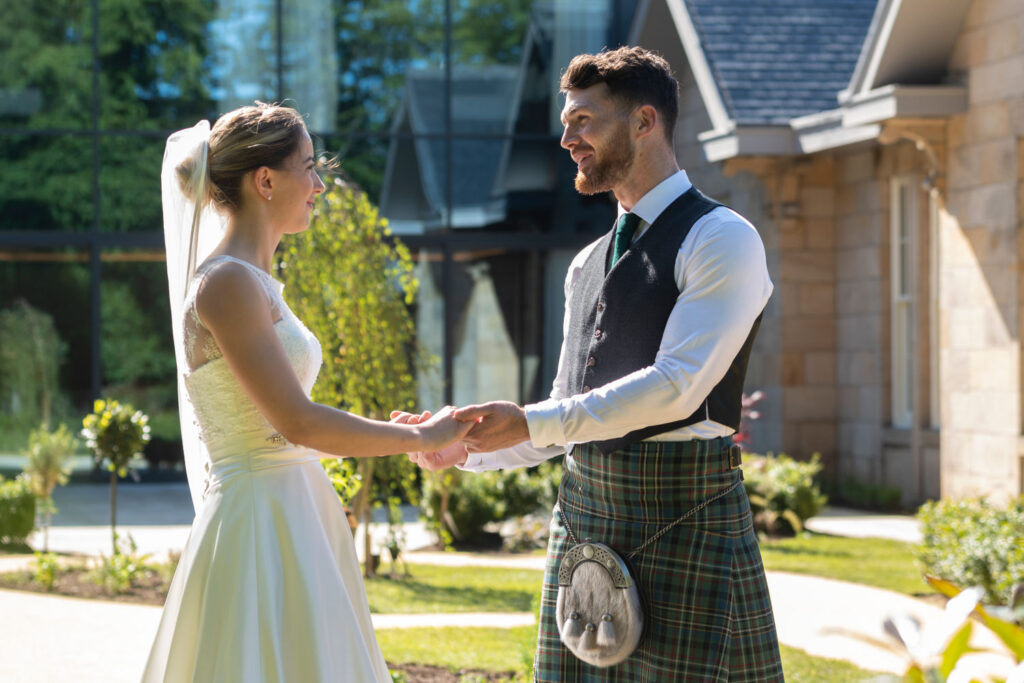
point(487, 649)
point(435, 589)
point(511, 650)
point(877, 562)
point(800, 667)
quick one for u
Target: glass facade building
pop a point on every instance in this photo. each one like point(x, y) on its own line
point(444, 111)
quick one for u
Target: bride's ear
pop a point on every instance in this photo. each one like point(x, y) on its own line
point(262, 183)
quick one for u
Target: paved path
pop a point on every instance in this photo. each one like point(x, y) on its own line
point(48, 638)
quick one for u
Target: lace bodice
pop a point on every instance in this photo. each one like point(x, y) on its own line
point(223, 410)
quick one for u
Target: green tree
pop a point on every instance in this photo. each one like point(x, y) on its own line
point(152, 61)
point(352, 286)
point(116, 433)
point(132, 350)
point(47, 466)
point(30, 357)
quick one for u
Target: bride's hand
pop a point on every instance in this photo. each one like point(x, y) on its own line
point(453, 454)
point(442, 429)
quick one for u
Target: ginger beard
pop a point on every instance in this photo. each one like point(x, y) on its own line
point(611, 163)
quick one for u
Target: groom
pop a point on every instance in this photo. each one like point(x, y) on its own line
point(660, 316)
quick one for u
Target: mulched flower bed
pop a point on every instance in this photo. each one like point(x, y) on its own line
point(78, 583)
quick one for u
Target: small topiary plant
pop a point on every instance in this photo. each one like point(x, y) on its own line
point(116, 433)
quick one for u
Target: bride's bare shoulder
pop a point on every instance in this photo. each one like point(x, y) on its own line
point(227, 293)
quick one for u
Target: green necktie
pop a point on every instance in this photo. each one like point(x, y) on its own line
point(625, 228)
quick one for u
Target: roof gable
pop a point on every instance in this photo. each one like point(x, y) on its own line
point(774, 60)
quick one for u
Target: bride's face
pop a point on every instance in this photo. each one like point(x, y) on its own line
point(296, 185)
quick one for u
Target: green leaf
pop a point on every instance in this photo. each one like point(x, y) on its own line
point(956, 648)
point(1011, 634)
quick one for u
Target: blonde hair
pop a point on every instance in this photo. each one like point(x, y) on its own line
point(241, 141)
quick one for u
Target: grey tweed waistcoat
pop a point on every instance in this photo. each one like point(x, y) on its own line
point(617, 318)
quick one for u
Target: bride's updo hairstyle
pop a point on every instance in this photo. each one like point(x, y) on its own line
point(241, 141)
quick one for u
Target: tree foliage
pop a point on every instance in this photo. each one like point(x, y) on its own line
point(31, 352)
point(352, 286)
point(116, 433)
point(47, 466)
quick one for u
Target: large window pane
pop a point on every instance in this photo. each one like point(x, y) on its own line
point(130, 183)
point(159, 61)
point(46, 82)
point(136, 343)
point(56, 283)
point(46, 182)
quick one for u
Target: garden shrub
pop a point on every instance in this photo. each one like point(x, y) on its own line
point(119, 571)
point(863, 495)
point(17, 510)
point(44, 570)
point(476, 500)
point(782, 491)
point(972, 542)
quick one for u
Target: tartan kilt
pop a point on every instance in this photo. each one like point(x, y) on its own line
point(708, 613)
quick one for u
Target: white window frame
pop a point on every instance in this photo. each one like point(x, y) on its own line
point(904, 219)
point(934, 397)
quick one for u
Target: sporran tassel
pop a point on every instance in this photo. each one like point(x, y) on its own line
point(606, 632)
point(587, 643)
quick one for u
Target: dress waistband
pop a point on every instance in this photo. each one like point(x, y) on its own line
point(258, 456)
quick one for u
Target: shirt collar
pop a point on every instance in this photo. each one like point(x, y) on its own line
point(660, 196)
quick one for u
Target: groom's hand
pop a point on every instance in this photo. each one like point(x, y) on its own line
point(453, 454)
point(500, 424)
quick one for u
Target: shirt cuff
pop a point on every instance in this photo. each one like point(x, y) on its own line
point(544, 420)
point(475, 462)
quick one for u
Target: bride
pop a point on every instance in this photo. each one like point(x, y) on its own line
point(268, 586)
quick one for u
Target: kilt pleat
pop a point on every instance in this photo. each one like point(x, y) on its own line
point(709, 616)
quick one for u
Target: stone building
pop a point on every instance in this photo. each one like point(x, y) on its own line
point(879, 148)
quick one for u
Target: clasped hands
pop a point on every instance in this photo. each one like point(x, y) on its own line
point(498, 424)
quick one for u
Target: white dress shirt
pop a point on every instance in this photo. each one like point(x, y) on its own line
point(723, 287)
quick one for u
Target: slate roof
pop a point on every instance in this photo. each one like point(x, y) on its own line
point(482, 100)
point(775, 60)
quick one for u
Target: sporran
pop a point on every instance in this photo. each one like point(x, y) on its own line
point(599, 611)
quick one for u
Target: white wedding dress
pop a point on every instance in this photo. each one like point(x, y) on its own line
point(268, 587)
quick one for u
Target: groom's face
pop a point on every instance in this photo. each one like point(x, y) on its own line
point(597, 136)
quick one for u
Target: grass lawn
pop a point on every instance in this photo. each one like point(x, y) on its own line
point(800, 667)
point(485, 649)
point(434, 589)
point(511, 650)
point(874, 562)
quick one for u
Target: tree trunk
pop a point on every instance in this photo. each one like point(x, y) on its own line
point(113, 510)
point(362, 509)
point(46, 532)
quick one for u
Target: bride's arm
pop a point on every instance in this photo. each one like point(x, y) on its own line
point(233, 306)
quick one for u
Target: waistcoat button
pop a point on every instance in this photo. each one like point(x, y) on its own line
point(585, 388)
point(597, 334)
point(591, 362)
point(600, 306)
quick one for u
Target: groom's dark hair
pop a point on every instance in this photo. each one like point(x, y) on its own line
point(634, 76)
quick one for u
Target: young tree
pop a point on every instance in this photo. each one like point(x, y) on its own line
point(31, 352)
point(48, 464)
point(116, 433)
point(352, 285)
